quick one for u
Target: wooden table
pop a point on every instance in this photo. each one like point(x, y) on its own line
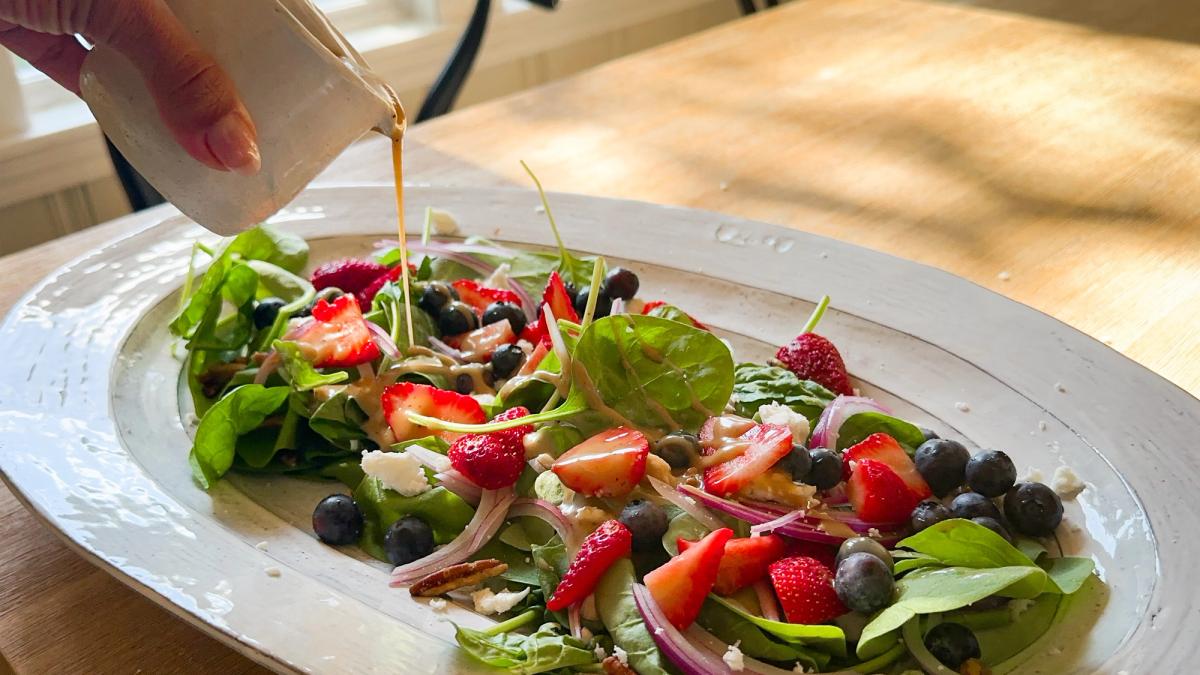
point(1055, 164)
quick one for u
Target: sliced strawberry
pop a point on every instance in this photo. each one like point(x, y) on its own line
point(884, 448)
point(608, 544)
point(535, 334)
point(338, 335)
point(368, 294)
point(479, 296)
point(878, 495)
point(430, 401)
point(681, 584)
point(812, 357)
point(766, 445)
point(652, 305)
point(823, 553)
point(608, 464)
point(512, 414)
point(560, 301)
point(805, 590)
point(745, 561)
point(479, 344)
point(667, 311)
point(491, 461)
point(535, 358)
point(351, 275)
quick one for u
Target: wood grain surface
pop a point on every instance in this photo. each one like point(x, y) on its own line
point(1054, 162)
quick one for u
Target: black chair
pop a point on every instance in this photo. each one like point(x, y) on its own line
point(438, 101)
point(748, 6)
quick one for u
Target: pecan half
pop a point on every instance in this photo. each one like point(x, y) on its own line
point(457, 576)
point(613, 666)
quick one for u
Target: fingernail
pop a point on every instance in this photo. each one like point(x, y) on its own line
point(231, 141)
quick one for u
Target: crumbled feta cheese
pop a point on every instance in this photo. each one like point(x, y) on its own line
point(273, 572)
point(1062, 388)
point(437, 604)
point(1004, 275)
point(487, 602)
point(262, 545)
point(600, 653)
point(874, 533)
point(498, 277)
point(733, 657)
point(397, 471)
point(622, 655)
point(963, 406)
point(539, 209)
point(777, 486)
point(443, 222)
point(1031, 475)
point(776, 413)
point(1066, 483)
point(799, 668)
point(484, 400)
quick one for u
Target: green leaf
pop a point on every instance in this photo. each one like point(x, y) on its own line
point(824, 638)
point(620, 615)
point(300, 373)
point(445, 512)
point(755, 385)
point(730, 627)
point(275, 281)
point(259, 454)
point(529, 268)
point(215, 330)
point(1069, 574)
point(860, 425)
point(271, 244)
point(543, 651)
point(520, 570)
point(907, 564)
point(551, 563)
point(240, 411)
point(434, 443)
point(959, 542)
point(387, 311)
point(573, 270)
point(339, 419)
point(682, 526)
point(1032, 548)
point(929, 590)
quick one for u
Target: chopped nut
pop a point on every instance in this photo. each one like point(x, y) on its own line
point(613, 666)
point(973, 667)
point(457, 576)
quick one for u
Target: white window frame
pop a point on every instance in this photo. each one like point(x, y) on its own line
point(406, 42)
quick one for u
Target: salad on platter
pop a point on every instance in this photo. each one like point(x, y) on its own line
point(528, 437)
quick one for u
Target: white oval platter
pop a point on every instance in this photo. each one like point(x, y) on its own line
point(92, 437)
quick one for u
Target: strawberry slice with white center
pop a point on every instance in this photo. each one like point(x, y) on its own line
point(608, 464)
point(479, 296)
point(337, 336)
point(479, 344)
point(535, 359)
point(878, 495)
point(764, 445)
point(424, 399)
point(883, 448)
point(560, 301)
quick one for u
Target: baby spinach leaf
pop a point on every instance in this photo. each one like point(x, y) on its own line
point(619, 612)
point(300, 373)
point(230, 332)
point(669, 311)
point(1031, 547)
point(445, 512)
point(239, 412)
point(339, 419)
point(929, 590)
point(756, 385)
point(258, 455)
point(909, 563)
point(1068, 574)
point(275, 281)
point(730, 627)
point(271, 244)
point(963, 543)
point(543, 651)
point(387, 311)
point(520, 570)
point(828, 639)
point(859, 426)
point(346, 471)
point(434, 443)
point(1003, 642)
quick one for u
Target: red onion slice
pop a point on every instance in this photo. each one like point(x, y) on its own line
point(772, 525)
point(574, 620)
point(493, 507)
point(766, 600)
point(457, 483)
point(544, 510)
point(686, 503)
point(383, 340)
point(268, 366)
point(825, 435)
point(446, 349)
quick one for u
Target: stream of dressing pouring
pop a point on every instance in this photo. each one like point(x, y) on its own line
point(309, 93)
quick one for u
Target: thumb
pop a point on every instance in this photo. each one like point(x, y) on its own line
point(195, 97)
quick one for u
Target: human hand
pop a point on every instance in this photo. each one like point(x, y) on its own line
point(195, 97)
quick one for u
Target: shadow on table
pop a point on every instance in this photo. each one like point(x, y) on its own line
point(1164, 19)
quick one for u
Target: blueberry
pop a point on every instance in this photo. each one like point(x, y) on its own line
point(437, 294)
point(457, 318)
point(506, 360)
point(991, 473)
point(337, 520)
point(928, 433)
point(928, 512)
point(464, 383)
point(797, 462)
point(863, 545)
point(942, 463)
point(993, 525)
point(1033, 509)
point(678, 449)
point(826, 469)
point(266, 311)
point(973, 505)
point(864, 583)
point(603, 304)
point(499, 311)
point(620, 283)
point(952, 644)
point(647, 522)
point(408, 539)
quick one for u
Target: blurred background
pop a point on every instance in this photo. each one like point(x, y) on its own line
point(57, 175)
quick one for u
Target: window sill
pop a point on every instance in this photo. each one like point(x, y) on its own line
point(63, 147)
